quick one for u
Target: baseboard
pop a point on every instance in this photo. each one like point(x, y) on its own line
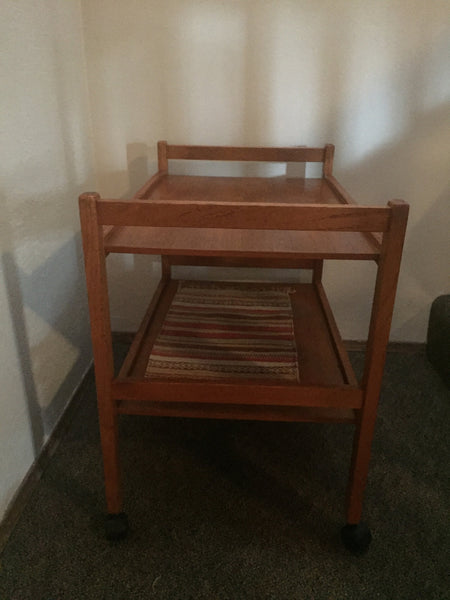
point(26, 488)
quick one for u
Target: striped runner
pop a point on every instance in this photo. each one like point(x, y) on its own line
point(223, 330)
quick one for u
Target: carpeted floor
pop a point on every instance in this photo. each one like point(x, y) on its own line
point(237, 510)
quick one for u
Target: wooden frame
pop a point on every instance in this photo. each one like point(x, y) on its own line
point(277, 223)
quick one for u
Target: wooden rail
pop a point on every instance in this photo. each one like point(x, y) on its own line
point(241, 215)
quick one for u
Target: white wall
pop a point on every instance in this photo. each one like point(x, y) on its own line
point(46, 161)
point(369, 76)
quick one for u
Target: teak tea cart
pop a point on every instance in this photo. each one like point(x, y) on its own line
point(276, 222)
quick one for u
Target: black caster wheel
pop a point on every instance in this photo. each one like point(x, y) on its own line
point(356, 538)
point(116, 526)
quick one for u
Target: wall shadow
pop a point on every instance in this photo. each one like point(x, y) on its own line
point(53, 297)
point(16, 312)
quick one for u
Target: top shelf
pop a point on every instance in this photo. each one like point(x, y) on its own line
point(241, 243)
point(242, 189)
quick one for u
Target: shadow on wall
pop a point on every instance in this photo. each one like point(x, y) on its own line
point(16, 310)
point(49, 318)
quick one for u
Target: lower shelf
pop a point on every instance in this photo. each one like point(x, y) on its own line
point(327, 390)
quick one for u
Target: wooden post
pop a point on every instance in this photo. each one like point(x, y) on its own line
point(317, 271)
point(163, 164)
point(95, 266)
point(328, 160)
point(166, 268)
point(384, 297)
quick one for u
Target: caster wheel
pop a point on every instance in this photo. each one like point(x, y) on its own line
point(356, 538)
point(116, 526)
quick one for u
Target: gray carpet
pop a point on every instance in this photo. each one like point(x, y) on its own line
point(237, 510)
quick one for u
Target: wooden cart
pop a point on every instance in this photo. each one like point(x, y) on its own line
point(276, 222)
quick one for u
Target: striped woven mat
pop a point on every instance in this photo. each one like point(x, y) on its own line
point(221, 330)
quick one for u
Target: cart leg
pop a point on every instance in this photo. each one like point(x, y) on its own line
point(356, 534)
point(116, 524)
